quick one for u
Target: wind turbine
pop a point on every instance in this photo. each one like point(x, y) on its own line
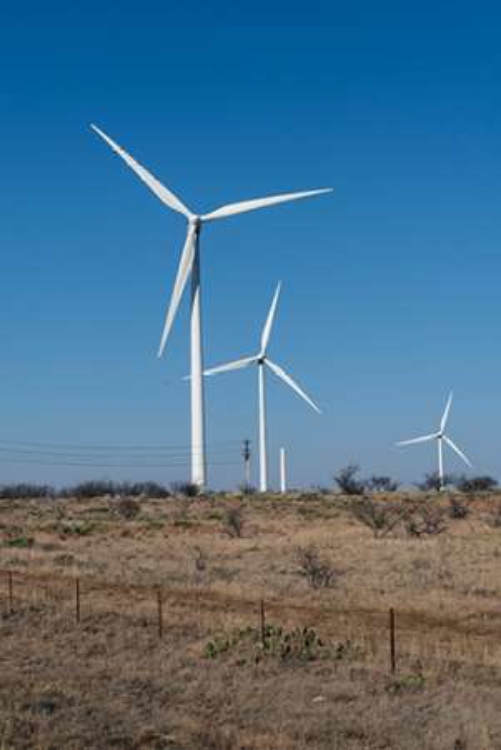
point(190, 265)
point(441, 438)
point(262, 361)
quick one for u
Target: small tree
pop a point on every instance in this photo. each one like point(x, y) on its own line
point(347, 481)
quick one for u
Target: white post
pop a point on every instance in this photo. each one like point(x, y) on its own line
point(198, 467)
point(283, 481)
point(263, 458)
point(440, 463)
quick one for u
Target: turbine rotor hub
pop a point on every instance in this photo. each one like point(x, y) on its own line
point(196, 223)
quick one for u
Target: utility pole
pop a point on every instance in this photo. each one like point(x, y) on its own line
point(246, 454)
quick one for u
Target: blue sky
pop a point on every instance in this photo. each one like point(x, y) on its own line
point(390, 284)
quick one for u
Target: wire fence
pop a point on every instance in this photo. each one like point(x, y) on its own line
point(393, 639)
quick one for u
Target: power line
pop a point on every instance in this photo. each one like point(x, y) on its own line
point(42, 462)
point(90, 447)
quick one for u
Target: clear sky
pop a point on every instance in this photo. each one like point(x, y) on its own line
point(390, 284)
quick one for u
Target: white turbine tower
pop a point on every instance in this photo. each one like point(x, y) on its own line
point(262, 360)
point(441, 438)
point(190, 264)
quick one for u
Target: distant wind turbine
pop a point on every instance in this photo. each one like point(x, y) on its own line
point(441, 438)
point(262, 360)
point(190, 264)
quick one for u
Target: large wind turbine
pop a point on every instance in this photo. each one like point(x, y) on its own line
point(262, 361)
point(190, 264)
point(441, 438)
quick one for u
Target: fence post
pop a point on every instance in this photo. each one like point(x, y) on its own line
point(77, 600)
point(263, 624)
point(160, 613)
point(393, 655)
point(11, 591)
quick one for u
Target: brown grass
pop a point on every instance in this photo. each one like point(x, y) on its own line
point(109, 682)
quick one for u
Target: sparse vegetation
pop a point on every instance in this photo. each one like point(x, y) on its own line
point(324, 659)
point(318, 572)
point(234, 522)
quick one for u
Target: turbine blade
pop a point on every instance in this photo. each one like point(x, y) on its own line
point(445, 415)
point(231, 209)
point(279, 372)
point(265, 336)
point(166, 196)
point(183, 272)
point(460, 453)
point(423, 439)
point(237, 364)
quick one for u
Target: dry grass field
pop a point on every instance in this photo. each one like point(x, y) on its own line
point(328, 569)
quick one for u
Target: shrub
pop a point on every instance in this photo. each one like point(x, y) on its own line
point(382, 484)
point(494, 518)
point(247, 489)
point(347, 482)
point(458, 509)
point(91, 489)
point(432, 482)
point(476, 484)
point(102, 488)
point(151, 490)
point(127, 508)
point(426, 520)
point(234, 522)
point(379, 517)
point(25, 491)
point(187, 489)
point(318, 572)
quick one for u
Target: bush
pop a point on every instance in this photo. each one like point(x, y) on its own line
point(186, 489)
point(127, 508)
point(432, 482)
point(91, 489)
point(247, 489)
point(347, 482)
point(381, 518)
point(426, 520)
point(102, 488)
point(382, 484)
point(494, 518)
point(476, 484)
point(25, 491)
point(458, 509)
point(319, 573)
point(234, 522)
